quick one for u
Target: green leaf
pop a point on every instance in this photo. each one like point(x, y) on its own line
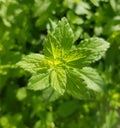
point(32, 63)
point(76, 86)
point(74, 58)
point(111, 119)
point(95, 2)
point(75, 19)
point(52, 47)
point(68, 108)
point(92, 49)
point(64, 35)
point(50, 94)
point(82, 8)
point(60, 52)
point(58, 80)
point(39, 81)
point(91, 79)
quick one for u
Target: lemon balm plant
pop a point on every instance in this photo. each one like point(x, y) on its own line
point(65, 66)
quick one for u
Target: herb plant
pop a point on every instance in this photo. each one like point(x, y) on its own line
point(64, 70)
point(65, 66)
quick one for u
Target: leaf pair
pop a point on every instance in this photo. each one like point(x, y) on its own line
point(63, 65)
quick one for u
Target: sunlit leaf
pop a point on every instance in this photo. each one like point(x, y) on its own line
point(64, 35)
point(39, 82)
point(93, 49)
point(58, 80)
point(74, 58)
point(91, 79)
point(76, 86)
point(32, 63)
point(52, 47)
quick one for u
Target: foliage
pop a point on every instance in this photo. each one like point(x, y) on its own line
point(60, 65)
point(65, 64)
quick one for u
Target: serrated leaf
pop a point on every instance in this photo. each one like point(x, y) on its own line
point(38, 81)
point(52, 47)
point(60, 52)
point(92, 49)
point(58, 80)
point(91, 79)
point(75, 85)
point(32, 63)
point(64, 35)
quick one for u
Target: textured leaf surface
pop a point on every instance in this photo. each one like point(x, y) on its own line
point(74, 58)
point(75, 85)
point(64, 35)
point(93, 50)
point(32, 63)
point(92, 79)
point(66, 63)
point(58, 80)
point(52, 47)
point(38, 82)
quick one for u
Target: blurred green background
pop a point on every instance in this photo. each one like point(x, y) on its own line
point(23, 26)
